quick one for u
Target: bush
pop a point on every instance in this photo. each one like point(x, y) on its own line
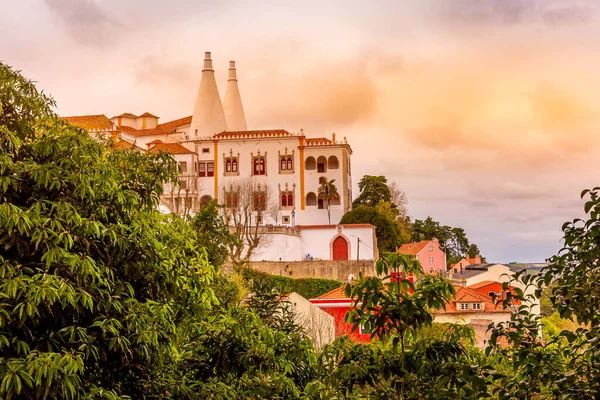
point(308, 288)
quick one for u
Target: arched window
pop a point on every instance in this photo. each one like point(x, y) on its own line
point(283, 164)
point(204, 200)
point(311, 199)
point(290, 200)
point(321, 164)
point(228, 165)
point(234, 165)
point(284, 200)
point(259, 166)
point(333, 163)
point(289, 163)
point(310, 163)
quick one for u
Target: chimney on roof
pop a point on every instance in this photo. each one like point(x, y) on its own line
point(208, 118)
point(234, 111)
point(333, 137)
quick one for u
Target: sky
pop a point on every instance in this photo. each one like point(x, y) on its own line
point(485, 112)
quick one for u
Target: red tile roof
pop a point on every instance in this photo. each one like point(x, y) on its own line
point(90, 122)
point(126, 115)
point(252, 134)
point(467, 295)
point(155, 141)
point(318, 141)
point(125, 145)
point(161, 129)
point(171, 148)
point(413, 248)
point(147, 114)
point(337, 293)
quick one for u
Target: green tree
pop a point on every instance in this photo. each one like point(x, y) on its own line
point(373, 189)
point(327, 191)
point(94, 280)
point(564, 365)
point(212, 234)
point(387, 232)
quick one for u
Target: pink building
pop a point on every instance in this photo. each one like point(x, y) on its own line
point(428, 252)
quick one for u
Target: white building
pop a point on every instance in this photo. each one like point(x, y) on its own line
point(276, 172)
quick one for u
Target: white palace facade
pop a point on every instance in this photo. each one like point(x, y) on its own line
point(277, 173)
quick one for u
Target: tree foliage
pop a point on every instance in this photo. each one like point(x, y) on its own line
point(93, 278)
point(387, 231)
point(212, 233)
point(373, 189)
point(452, 240)
point(327, 192)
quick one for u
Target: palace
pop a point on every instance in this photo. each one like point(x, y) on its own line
point(277, 173)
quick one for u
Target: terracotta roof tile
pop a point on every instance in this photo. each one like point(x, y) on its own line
point(413, 248)
point(90, 122)
point(126, 115)
point(171, 148)
point(252, 134)
point(125, 145)
point(337, 293)
point(147, 114)
point(161, 129)
point(318, 141)
point(467, 295)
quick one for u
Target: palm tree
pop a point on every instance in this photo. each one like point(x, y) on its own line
point(327, 192)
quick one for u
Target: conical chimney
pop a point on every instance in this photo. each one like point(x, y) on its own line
point(234, 111)
point(208, 118)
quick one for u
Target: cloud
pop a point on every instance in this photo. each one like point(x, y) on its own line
point(86, 23)
point(161, 71)
point(552, 13)
point(326, 94)
point(561, 12)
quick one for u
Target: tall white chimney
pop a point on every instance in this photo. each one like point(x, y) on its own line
point(208, 118)
point(234, 111)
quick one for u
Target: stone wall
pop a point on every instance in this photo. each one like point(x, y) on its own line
point(316, 269)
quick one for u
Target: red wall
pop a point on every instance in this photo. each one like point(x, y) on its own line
point(343, 328)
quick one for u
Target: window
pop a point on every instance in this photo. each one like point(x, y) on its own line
point(333, 163)
point(231, 165)
point(201, 169)
point(290, 164)
point(321, 164)
point(286, 162)
point(183, 184)
point(206, 150)
point(285, 219)
point(259, 201)
point(476, 306)
point(321, 204)
point(310, 163)
point(258, 167)
point(430, 248)
point(183, 166)
point(431, 260)
point(232, 200)
point(210, 169)
point(311, 199)
point(286, 199)
point(464, 306)
point(491, 294)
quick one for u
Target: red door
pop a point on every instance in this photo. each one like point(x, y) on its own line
point(340, 249)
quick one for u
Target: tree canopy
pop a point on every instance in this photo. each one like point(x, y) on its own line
point(387, 231)
point(373, 189)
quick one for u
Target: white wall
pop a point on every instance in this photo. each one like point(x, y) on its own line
point(277, 246)
point(465, 318)
point(319, 326)
point(317, 241)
